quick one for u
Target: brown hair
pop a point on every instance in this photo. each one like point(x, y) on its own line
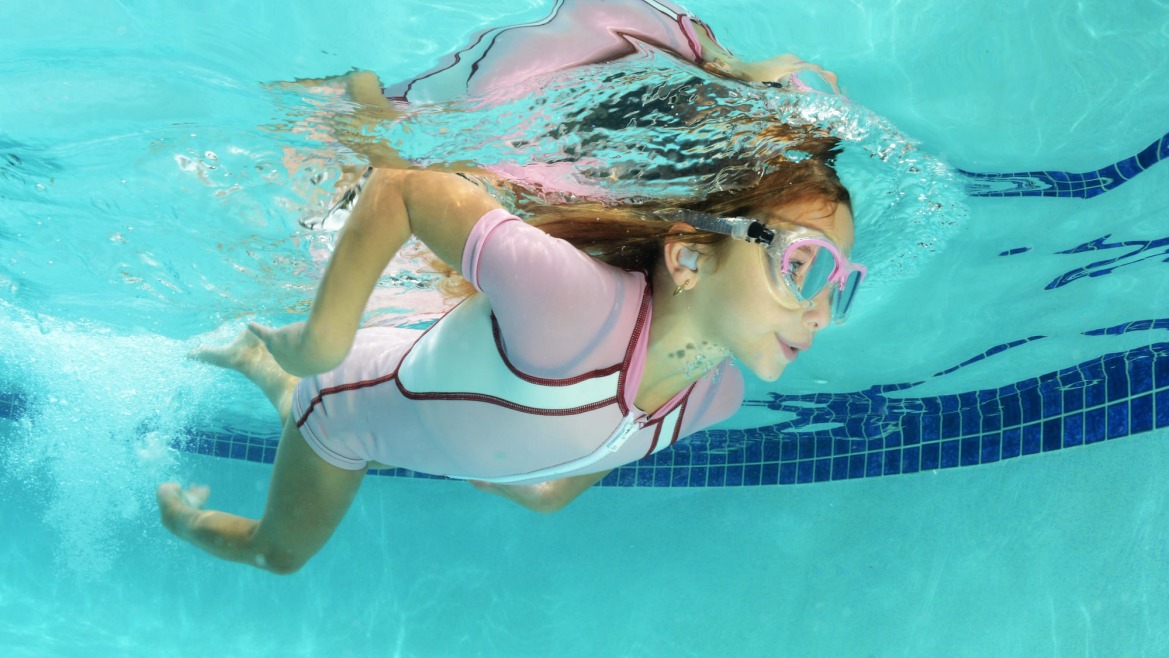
point(632, 236)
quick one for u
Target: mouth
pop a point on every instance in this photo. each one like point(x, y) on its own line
point(790, 352)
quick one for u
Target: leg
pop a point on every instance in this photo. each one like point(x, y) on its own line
point(307, 499)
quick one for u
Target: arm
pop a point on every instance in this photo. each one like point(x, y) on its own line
point(545, 497)
point(439, 208)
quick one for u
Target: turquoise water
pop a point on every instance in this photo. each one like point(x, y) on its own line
point(149, 208)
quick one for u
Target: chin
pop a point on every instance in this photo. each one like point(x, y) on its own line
point(769, 373)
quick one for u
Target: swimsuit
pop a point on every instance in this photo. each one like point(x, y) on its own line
point(576, 33)
point(532, 379)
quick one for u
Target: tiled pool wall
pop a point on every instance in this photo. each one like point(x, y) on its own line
point(870, 433)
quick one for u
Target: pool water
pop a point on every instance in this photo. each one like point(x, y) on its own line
point(148, 200)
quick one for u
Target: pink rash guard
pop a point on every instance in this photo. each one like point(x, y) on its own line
point(536, 373)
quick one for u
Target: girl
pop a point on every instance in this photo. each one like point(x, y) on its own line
point(576, 355)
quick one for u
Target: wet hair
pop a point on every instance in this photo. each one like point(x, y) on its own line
point(632, 236)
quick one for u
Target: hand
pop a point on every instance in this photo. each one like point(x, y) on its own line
point(780, 67)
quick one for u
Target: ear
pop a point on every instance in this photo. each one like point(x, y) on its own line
point(683, 260)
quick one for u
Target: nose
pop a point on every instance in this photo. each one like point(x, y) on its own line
point(819, 314)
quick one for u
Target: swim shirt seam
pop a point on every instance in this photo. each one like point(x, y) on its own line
point(500, 402)
point(544, 381)
point(638, 327)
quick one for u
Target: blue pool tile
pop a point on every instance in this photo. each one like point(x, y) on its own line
point(1073, 430)
point(1140, 375)
point(679, 477)
point(840, 468)
point(1073, 400)
point(753, 452)
point(769, 474)
point(1141, 414)
point(911, 430)
point(1161, 408)
point(255, 453)
point(1052, 399)
point(627, 476)
point(951, 454)
point(992, 423)
point(734, 476)
point(807, 449)
point(951, 425)
point(1117, 374)
point(752, 474)
point(856, 466)
point(971, 451)
point(1095, 393)
point(840, 446)
point(877, 443)
point(971, 422)
point(1095, 425)
point(681, 455)
point(1032, 439)
point(823, 470)
point(805, 472)
point(789, 452)
point(1161, 372)
point(787, 473)
point(699, 456)
point(823, 446)
point(269, 455)
point(771, 450)
point(1032, 404)
point(239, 451)
point(911, 460)
point(949, 403)
point(893, 440)
point(931, 456)
point(1118, 420)
point(205, 447)
point(874, 465)
point(931, 428)
point(1012, 443)
point(221, 449)
point(892, 462)
point(716, 457)
point(1052, 434)
point(991, 448)
point(662, 477)
point(1012, 410)
point(716, 476)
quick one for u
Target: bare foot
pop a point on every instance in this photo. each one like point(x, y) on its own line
point(178, 506)
point(245, 353)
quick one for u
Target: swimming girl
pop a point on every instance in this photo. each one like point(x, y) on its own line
point(598, 336)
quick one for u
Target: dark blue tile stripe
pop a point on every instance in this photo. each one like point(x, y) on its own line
point(1063, 184)
point(867, 433)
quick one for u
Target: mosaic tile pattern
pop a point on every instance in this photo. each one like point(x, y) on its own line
point(870, 433)
point(1064, 184)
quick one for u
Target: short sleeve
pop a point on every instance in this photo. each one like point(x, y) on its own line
point(559, 310)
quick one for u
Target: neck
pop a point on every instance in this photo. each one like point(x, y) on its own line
point(679, 351)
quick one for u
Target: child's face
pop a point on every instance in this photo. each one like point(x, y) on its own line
point(766, 329)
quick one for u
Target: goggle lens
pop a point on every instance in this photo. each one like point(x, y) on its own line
point(808, 266)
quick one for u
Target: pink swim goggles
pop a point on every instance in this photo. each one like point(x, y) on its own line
point(802, 261)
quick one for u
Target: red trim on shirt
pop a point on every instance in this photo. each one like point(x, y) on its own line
point(544, 381)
